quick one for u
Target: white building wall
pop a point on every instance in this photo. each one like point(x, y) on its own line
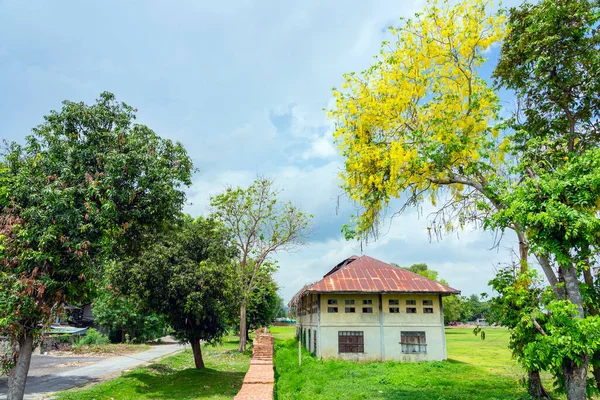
point(379, 344)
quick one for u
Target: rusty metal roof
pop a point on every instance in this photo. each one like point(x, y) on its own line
point(366, 274)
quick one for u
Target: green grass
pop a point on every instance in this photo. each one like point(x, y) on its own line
point(175, 377)
point(477, 369)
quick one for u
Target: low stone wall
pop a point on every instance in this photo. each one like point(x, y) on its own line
point(260, 378)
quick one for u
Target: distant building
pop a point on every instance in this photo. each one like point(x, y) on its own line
point(367, 310)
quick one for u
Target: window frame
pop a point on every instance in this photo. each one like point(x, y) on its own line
point(413, 342)
point(367, 302)
point(332, 302)
point(370, 310)
point(332, 310)
point(353, 310)
point(413, 310)
point(427, 310)
point(396, 310)
point(349, 302)
point(353, 343)
point(411, 302)
point(427, 302)
point(394, 302)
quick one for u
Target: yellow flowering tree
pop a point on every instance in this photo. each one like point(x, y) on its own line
point(421, 121)
point(421, 117)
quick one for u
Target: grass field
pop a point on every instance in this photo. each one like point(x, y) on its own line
point(476, 370)
point(175, 377)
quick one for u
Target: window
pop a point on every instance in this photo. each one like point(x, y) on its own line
point(428, 310)
point(351, 342)
point(315, 342)
point(411, 310)
point(368, 310)
point(332, 309)
point(331, 301)
point(427, 302)
point(348, 302)
point(411, 302)
point(413, 342)
point(394, 310)
point(350, 309)
point(367, 301)
point(394, 302)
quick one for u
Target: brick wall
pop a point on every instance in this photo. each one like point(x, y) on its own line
point(260, 378)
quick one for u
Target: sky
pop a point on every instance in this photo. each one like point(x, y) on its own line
point(242, 84)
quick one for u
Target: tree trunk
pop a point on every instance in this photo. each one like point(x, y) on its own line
point(575, 375)
point(593, 310)
point(243, 328)
point(18, 374)
point(197, 350)
point(535, 387)
point(534, 382)
point(575, 379)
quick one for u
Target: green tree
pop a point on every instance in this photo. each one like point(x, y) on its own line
point(188, 276)
point(550, 60)
point(261, 227)
point(87, 185)
point(122, 317)
point(264, 301)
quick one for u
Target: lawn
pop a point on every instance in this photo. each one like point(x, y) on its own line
point(477, 369)
point(175, 377)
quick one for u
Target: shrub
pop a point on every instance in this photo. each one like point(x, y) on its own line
point(93, 337)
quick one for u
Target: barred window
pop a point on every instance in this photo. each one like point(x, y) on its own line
point(413, 342)
point(394, 302)
point(351, 342)
point(427, 302)
point(411, 302)
point(332, 301)
point(368, 310)
point(411, 310)
point(350, 309)
point(332, 309)
point(367, 301)
point(348, 302)
point(428, 310)
point(394, 310)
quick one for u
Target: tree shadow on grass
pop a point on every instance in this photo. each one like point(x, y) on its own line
point(188, 384)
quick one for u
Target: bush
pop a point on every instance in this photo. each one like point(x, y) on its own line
point(93, 337)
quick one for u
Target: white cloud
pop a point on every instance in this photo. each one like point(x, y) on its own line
point(320, 147)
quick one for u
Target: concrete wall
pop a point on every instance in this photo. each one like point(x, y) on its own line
point(379, 344)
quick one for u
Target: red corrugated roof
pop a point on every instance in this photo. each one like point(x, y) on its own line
point(366, 274)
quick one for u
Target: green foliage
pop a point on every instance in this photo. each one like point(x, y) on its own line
point(123, 318)
point(188, 276)
point(88, 184)
point(264, 302)
point(551, 60)
point(93, 337)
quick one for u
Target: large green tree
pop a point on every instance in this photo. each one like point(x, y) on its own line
point(551, 60)
point(188, 275)
point(88, 184)
point(261, 227)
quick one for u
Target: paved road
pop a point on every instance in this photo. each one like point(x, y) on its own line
point(49, 375)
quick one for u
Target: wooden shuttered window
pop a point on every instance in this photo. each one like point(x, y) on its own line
point(351, 342)
point(413, 342)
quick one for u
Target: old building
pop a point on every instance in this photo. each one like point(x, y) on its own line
point(367, 310)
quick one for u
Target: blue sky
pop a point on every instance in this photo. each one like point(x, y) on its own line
point(242, 84)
